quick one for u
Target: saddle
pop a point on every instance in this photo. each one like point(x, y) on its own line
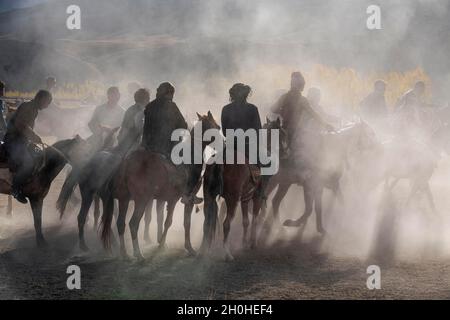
point(7, 169)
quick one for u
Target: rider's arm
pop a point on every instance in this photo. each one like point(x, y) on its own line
point(315, 115)
point(180, 122)
point(257, 120)
point(277, 108)
point(125, 126)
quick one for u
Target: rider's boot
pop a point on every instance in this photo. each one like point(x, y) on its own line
point(191, 199)
point(19, 196)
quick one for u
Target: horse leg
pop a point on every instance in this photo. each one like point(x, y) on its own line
point(147, 220)
point(96, 211)
point(139, 208)
point(276, 202)
point(168, 222)
point(245, 222)
point(86, 200)
point(36, 207)
point(256, 209)
point(123, 208)
point(231, 210)
point(9, 209)
point(209, 224)
point(414, 189)
point(160, 218)
point(318, 209)
point(308, 194)
point(187, 228)
point(430, 197)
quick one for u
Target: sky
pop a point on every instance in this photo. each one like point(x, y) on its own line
point(6, 5)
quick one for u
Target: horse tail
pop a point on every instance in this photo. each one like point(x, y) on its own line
point(67, 189)
point(107, 217)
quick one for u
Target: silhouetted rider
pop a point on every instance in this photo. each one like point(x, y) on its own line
point(291, 106)
point(133, 122)
point(162, 117)
point(20, 139)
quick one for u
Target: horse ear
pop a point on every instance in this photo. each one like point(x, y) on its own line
point(199, 116)
point(278, 121)
point(210, 115)
point(267, 120)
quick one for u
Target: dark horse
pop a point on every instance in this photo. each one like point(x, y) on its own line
point(144, 176)
point(53, 160)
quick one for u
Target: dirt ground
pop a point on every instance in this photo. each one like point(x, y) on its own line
point(285, 269)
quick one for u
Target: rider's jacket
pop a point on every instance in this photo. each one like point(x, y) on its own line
point(290, 106)
point(21, 124)
point(162, 117)
point(374, 107)
point(107, 116)
point(241, 116)
point(131, 128)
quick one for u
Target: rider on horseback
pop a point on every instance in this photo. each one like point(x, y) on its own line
point(292, 105)
point(133, 122)
point(240, 114)
point(373, 107)
point(20, 140)
point(109, 115)
point(162, 117)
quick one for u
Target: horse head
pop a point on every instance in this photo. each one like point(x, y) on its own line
point(66, 149)
point(208, 121)
point(283, 137)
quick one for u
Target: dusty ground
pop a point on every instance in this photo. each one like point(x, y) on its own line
point(286, 269)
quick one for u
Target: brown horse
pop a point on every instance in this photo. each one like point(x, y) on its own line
point(145, 176)
point(235, 183)
point(53, 160)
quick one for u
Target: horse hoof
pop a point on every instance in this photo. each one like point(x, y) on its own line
point(191, 252)
point(84, 247)
point(41, 243)
point(229, 258)
point(322, 231)
point(124, 256)
point(139, 257)
point(292, 223)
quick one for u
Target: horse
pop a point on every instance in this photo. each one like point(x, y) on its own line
point(234, 183)
point(53, 160)
point(326, 170)
point(145, 176)
point(410, 159)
